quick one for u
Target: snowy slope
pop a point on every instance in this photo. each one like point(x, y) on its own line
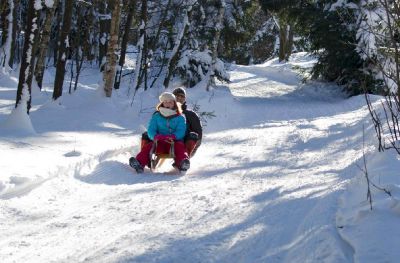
point(267, 185)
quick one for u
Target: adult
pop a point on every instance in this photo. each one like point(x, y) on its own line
point(194, 129)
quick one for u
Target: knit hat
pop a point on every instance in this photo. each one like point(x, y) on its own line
point(180, 91)
point(167, 96)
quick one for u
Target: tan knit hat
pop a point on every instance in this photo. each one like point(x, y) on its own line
point(167, 96)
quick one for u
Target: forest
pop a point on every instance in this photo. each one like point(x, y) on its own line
point(296, 104)
point(356, 42)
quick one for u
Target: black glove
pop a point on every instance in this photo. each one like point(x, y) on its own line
point(146, 137)
point(193, 136)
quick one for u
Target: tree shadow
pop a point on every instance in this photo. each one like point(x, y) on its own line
point(273, 234)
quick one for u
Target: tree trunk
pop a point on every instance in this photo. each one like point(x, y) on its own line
point(109, 69)
point(124, 43)
point(4, 10)
point(6, 45)
point(143, 63)
point(44, 43)
point(24, 88)
point(33, 51)
point(141, 46)
point(62, 56)
point(289, 47)
point(14, 32)
point(104, 32)
point(285, 41)
point(218, 28)
point(59, 18)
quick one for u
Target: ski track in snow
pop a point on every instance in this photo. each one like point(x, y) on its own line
point(262, 188)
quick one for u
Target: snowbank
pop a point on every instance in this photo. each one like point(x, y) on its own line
point(373, 234)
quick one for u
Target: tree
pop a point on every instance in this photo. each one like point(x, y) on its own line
point(7, 11)
point(214, 48)
point(62, 48)
point(379, 46)
point(109, 68)
point(24, 84)
point(141, 45)
point(282, 11)
point(174, 54)
point(285, 40)
point(44, 40)
point(104, 21)
point(124, 42)
point(15, 28)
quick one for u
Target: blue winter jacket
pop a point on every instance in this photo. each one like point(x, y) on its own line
point(161, 125)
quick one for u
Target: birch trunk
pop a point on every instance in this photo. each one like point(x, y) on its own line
point(218, 28)
point(109, 70)
point(43, 47)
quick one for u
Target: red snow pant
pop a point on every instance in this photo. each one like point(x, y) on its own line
point(163, 147)
point(190, 145)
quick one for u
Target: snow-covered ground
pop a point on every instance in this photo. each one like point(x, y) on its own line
point(275, 179)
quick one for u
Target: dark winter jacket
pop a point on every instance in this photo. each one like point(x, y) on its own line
point(193, 123)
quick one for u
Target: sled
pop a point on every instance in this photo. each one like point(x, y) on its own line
point(157, 159)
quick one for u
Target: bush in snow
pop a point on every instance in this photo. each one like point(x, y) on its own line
point(194, 65)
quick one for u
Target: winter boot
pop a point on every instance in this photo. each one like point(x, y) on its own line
point(185, 165)
point(135, 165)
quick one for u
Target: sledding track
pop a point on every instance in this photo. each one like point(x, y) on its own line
point(262, 188)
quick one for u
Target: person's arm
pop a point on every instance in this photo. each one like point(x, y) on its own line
point(180, 128)
point(195, 124)
point(152, 128)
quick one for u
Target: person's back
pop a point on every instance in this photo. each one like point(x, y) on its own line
point(194, 129)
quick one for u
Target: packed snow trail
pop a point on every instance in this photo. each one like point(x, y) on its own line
point(263, 186)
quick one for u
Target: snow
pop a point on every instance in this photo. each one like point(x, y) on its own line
point(275, 179)
point(49, 3)
point(37, 5)
point(18, 122)
point(373, 234)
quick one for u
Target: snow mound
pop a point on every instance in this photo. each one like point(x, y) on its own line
point(18, 123)
point(373, 234)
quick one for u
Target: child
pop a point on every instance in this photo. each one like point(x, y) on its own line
point(166, 125)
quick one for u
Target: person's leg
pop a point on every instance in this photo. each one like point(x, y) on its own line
point(180, 153)
point(196, 147)
point(145, 140)
point(144, 156)
point(192, 142)
point(189, 146)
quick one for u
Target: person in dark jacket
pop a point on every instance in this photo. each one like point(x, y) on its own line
point(194, 129)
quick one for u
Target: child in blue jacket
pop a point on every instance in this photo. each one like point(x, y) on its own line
point(166, 125)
